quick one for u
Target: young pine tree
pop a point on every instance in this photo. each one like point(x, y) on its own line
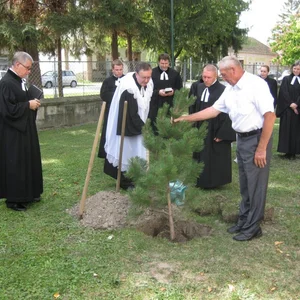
point(171, 152)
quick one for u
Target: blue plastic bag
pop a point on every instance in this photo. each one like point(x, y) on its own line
point(177, 192)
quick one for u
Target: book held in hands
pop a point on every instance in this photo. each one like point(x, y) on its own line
point(35, 92)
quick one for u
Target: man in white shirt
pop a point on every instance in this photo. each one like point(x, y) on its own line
point(249, 103)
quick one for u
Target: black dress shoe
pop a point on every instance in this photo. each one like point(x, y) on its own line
point(289, 156)
point(126, 186)
point(248, 236)
point(285, 156)
point(16, 207)
point(235, 228)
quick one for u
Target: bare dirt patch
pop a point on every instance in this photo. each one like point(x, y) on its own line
point(109, 210)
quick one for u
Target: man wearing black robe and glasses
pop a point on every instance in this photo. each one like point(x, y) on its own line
point(21, 179)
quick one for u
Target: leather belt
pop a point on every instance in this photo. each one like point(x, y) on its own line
point(250, 133)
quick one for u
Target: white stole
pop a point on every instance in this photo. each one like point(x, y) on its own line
point(133, 145)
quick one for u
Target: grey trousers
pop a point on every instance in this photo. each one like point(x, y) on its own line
point(253, 182)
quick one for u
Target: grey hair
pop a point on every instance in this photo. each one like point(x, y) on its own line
point(229, 61)
point(21, 57)
point(142, 66)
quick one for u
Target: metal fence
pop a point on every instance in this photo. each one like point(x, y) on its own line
point(79, 78)
point(84, 78)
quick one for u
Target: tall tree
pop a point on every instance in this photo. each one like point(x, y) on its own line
point(203, 29)
point(286, 34)
point(59, 20)
point(115, 18)
point(19, 31)
point(34, 26)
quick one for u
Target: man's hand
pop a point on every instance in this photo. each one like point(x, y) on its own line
point(217, 140)
point(164, 94)
point(34, 104)
point(294, 107)
point(260, 158)
point(180, 119)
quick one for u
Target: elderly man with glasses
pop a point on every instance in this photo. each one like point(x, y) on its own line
point(21, 179)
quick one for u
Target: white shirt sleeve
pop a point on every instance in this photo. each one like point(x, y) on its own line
point(220, 103)
point(263, 98)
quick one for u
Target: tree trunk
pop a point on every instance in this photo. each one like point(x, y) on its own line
point(59, 68)
point(176, 55)
point(114, 45)
point(67, 57)
point(35, 74)
point(129, 47)
point(129, 52)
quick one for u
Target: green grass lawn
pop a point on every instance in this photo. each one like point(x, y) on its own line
point(46, 254)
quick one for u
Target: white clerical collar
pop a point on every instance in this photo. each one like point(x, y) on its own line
point(205, 95)
point(294, 79)
point(164, 75)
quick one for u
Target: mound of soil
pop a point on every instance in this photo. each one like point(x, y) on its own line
point(104, 210)
point(109, 210)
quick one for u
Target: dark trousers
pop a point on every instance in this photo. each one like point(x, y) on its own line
point(253, 182)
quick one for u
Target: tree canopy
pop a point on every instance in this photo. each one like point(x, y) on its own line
point(286, 34)
point(203, 29)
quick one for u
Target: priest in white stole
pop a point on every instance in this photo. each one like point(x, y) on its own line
point(136, 88)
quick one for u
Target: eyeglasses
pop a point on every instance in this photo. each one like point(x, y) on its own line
point(28, 68)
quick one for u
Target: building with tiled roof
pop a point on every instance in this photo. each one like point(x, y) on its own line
point(254, 53)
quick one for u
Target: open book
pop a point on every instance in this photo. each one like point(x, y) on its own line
point(35, 92)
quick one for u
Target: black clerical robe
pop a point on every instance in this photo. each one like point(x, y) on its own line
point(289, 128)
point(134, 123)
point(174, 81)
point(20, 159)
point(107, 90)
point(216, 156)
point(272, 83)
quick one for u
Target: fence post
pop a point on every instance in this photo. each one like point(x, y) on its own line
point(184, 73)
point(83, 75)
point(191, 69)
